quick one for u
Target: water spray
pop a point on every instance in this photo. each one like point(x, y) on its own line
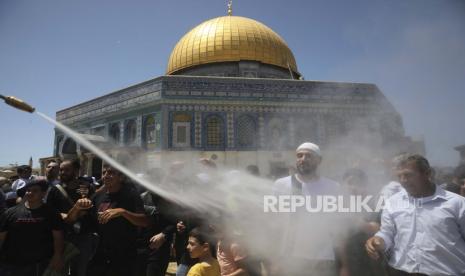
point(17, 103)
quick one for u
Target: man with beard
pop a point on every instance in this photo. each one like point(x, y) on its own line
point(80, 227)
point(308, 244)
point(51, 172)
point(120, 211)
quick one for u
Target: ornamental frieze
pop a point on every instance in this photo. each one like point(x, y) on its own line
point(267, 85)
point(115, 101)
point(277, 95)
point(268, 109)
point(100, 108)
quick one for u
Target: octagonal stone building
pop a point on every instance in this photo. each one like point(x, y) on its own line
point(232, 92)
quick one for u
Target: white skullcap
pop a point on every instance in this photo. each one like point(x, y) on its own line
point(309, 146)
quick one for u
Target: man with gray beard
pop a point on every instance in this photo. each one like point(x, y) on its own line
point(309, 245)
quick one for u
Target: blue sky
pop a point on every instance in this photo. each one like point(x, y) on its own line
point(55, 54)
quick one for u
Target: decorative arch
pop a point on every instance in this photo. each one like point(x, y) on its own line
point(69, 147)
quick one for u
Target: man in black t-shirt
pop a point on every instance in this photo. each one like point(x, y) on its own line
point(31, 234)
point(120, 211)
point(80, 229)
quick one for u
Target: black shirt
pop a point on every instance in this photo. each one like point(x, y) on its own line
point(29, 236)
point(162, 214)
point(62, 204)
point(119, 235)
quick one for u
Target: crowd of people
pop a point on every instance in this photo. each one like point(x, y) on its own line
point(67, 224)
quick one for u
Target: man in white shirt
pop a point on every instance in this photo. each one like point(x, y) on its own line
point(308, 242)
point(422, 227)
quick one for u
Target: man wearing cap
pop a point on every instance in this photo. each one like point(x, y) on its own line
point(31, 235)
point(308, 242)
point(24, 173)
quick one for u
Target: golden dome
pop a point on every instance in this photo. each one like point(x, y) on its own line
point(230, 38)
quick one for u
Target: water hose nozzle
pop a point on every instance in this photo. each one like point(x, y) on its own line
point(17, 103)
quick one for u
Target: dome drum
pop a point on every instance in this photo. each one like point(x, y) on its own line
point(245, 69)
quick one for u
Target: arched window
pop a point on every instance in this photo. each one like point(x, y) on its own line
point(130, 132)
point(214, 127)
point(114, 133)
point(149, 132)
point(69, 147)
point(246, 130)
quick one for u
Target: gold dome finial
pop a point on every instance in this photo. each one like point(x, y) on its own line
point(230, 7)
